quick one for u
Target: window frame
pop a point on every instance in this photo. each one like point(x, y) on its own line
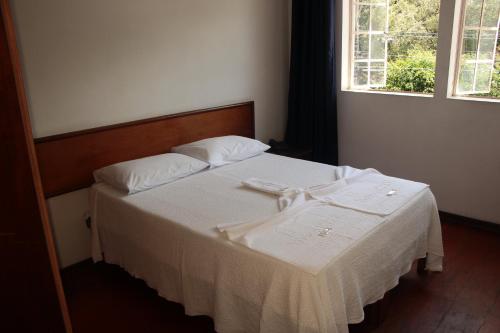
point(445, 78)
point(457, 48)
point(352, 33)
point(347, 53)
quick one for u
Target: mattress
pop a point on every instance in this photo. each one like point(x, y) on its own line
point(168, 237)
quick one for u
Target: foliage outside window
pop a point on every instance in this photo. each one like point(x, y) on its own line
point(394, 45)
point(479, 53)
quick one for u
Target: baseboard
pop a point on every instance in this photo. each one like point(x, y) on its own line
point(451, 218)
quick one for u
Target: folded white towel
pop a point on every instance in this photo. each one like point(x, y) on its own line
point(266, 186)
point(348, 172)
point(290, 196)
point(364, 190)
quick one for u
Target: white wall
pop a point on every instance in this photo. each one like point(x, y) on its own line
point(97, 62)
point(453, 145)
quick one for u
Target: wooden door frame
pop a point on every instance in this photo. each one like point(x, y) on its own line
point(17, 85)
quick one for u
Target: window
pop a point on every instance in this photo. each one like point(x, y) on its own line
point(370, 44)
point(393, 45)
point(478, 60)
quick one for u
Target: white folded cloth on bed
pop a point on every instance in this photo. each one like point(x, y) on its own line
point(374, 193)
point(287, 195)
point(324, 191)
point(288, 198)
point(317, 223)
point(347, 172)
point(235, 232)
point(266, 186)
point(364, 190)
point(308, 236)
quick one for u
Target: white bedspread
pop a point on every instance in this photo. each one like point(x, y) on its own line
point(168, 237)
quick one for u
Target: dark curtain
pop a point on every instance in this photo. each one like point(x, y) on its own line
point(312, 105)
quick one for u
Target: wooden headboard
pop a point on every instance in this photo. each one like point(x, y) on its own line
point(67, 160)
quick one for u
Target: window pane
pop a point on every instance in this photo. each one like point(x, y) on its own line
point(360, 73)
point(466, 78)
point(378, 18)
point(378, 47)
point(363, 18)
point(490, 18)
point(473, 13)
point(377, 76)
point(480, 47)
point(361, 46)
point(470, 44)
point(487, 44)
point(483, 76)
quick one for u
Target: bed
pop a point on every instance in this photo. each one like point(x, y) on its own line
point(168, 237)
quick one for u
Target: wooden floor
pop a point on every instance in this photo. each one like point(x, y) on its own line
point(464, 298)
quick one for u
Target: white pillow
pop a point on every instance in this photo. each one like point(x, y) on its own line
point(222, 150)
point(148, 172)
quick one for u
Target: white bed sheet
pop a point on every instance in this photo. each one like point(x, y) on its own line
point(168, 237)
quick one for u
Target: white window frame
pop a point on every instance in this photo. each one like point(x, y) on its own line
point(457, 48)
point(352, 33)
